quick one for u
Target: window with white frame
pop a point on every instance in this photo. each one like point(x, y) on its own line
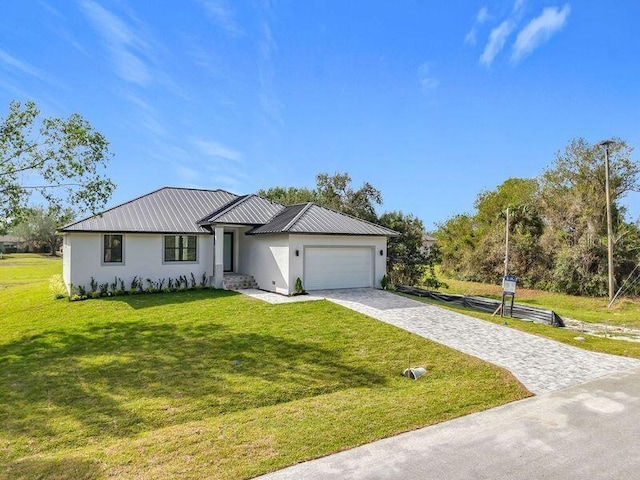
point(180, 248)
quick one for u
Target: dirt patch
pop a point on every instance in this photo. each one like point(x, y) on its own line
point(614, 332)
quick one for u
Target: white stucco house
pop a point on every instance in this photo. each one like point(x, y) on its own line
point(178, 231)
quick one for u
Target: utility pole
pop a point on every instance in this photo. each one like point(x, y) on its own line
point(606, 144)
point(506, 246)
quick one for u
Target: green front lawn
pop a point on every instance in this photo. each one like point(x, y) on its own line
point(208, 384)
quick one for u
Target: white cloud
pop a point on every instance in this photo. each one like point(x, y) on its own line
point(10, 62)
point(124, 46)
point(518, 5)
point(426, 78)
point(539, 30)
point(472, 37)
point(483, 15)
point(497, 40)
point(220, 13)
point(215, 149)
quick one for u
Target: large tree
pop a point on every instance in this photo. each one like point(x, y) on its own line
point(407, 257)
point(332, 191)
point(574, 205)
point(61, 159)
point(557, 225)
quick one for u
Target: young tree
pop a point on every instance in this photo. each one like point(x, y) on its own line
point(61, 159)
point(39, 227)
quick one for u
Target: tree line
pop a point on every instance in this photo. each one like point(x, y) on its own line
point(558, 225)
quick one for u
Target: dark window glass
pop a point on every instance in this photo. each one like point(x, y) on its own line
point(180, 248)
point(112, 249)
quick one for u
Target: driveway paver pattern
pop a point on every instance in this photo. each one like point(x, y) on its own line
point(542, 365)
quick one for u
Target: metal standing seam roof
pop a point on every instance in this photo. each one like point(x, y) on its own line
point(246, 210)
point(309, 218)
point(166, 210)
point(186, 210)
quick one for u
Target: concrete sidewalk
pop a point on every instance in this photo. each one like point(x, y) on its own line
point(586, 431)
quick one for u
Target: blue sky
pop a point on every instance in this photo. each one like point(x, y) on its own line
point(429, 101)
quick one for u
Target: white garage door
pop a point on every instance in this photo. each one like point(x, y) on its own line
point(338, 267)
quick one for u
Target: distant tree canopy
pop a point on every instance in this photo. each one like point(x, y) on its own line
point(61, 159)
point(39, 227)
point(406, 259)
point(557, 225)
point(332, 191)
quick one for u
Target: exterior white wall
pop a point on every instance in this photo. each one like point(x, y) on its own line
point(266, 257)
point(143, 257)
point(66, 260)
point(299, 242)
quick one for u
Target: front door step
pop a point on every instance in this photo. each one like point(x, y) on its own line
point(238, 281)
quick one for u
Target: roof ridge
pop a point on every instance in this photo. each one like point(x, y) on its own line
point(355, 218)
point(224, 209)
point(112, 208)
point(99, 214)
point(295, 219)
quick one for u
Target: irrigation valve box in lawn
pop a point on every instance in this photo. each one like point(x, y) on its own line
point(414, 373)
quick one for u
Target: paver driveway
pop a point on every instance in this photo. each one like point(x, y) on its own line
point(542, 365)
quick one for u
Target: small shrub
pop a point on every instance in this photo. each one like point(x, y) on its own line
point(384, 282)
point(93, 284)
point(193, 281)
point(122, 290)
point(430, 280)
point(57, 287)
point(82, 291)
point(114, 285)
point(160, 284)
point(171, 286)
point(204, 280)
point(299, 288)
point(104, 289)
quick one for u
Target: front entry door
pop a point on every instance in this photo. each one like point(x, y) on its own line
point(228, 252)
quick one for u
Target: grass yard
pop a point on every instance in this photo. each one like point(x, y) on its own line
point(625, 311)
point(208, 384)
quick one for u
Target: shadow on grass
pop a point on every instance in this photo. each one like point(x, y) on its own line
point(122, 378)
point(63, 468)
point(148, 300)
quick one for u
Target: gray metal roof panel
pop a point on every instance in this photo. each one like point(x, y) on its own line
point(280, 221)
point(165, 210)
point(317, 219)
point(314, 219)
point(249, 210)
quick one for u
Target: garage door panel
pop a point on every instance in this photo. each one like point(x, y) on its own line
point(338, 267)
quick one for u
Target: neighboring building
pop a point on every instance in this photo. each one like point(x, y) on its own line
point(428, 240)
point(9, 244)
point(178, 231)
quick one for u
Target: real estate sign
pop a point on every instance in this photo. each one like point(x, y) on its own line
point(509, 285)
